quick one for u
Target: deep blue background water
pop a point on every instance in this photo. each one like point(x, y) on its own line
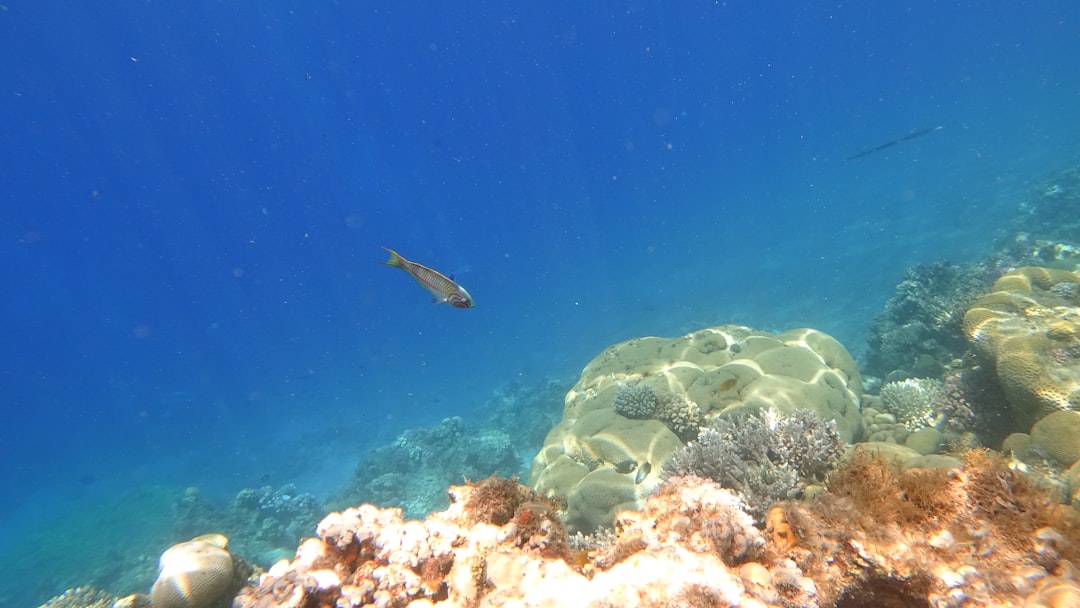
point(195, 196)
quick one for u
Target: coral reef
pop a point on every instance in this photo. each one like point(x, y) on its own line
point(918, 333)
point(912, 401)
point(981, 533)
point(1028, 330)
point(81, 597)
point(525, 412)
point(603, 461)
point(693, 545)
point(264, 522)
point(414, 471)
point(274, 517)
point(1048, 216)
point(765, 457)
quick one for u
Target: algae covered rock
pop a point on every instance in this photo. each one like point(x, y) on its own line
point(602, 461)
point(1028, 327)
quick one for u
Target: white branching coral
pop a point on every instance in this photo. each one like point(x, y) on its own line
point(912, 401)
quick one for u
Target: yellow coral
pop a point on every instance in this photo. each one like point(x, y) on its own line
point(1023, 329)
point(1058, 436)
point(1061, 331)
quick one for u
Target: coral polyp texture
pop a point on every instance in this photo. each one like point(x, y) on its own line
point(199, 573)
point(639, 401)
point(1028, 328)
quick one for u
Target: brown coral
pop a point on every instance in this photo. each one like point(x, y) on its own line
point(948, 535)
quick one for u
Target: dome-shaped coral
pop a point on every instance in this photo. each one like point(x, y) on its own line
point(640, 400)
point(1057, 436)
point(194, 574)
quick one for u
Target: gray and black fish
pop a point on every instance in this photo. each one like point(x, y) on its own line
point(643, 471)
point(443, 288)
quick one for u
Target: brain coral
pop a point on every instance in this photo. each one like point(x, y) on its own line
point(1028, 328)
point(194, 574)
point(601, 461)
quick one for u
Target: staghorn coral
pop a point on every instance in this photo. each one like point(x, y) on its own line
point(912, 401)
point(764, 457)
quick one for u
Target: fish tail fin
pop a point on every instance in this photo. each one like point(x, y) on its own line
point(395, 260)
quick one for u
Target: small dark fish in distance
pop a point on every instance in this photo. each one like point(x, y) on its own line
point(910, 136)
point(443, 288)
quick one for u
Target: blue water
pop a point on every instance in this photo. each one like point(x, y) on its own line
point(194, 196)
